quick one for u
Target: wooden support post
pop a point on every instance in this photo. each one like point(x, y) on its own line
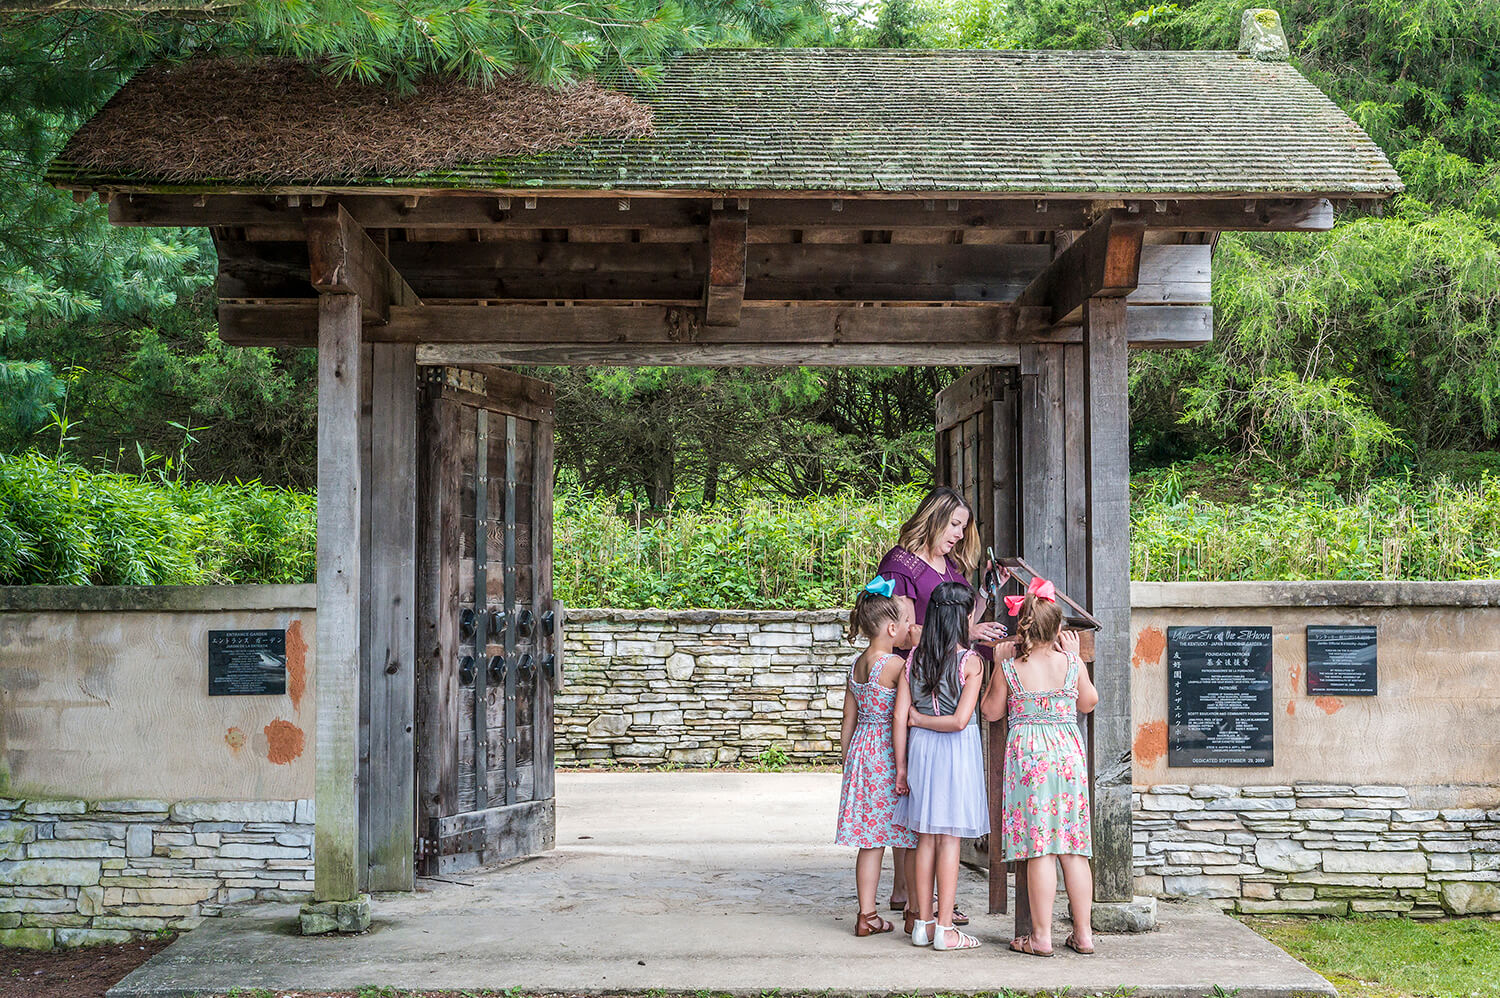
point(725, 293)
point(335, 844)
point(387, 781)
point(1108, 414)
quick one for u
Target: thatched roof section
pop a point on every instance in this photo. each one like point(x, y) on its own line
point(226, 120)
point(748, 120)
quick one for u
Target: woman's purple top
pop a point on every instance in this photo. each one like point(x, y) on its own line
point(915, 579)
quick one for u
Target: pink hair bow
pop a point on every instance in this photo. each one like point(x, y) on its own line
point(1038, 587)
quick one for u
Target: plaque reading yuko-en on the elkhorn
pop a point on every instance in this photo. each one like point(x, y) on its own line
point(246, 663)
point(1219, 696)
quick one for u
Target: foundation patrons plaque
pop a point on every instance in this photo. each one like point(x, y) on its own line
point(246, 663)
point(1219, 696)
point(1341, 660)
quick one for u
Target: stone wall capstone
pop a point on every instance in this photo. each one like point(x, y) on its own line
point(702, 687)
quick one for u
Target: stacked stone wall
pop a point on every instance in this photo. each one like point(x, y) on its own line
point(76, 872)
point(1318, 849)
point(701, 687)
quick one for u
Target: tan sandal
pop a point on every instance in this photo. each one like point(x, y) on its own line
point(1023, 944)
point(871, 924)
point(1072, 944)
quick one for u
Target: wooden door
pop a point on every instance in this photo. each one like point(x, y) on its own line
point(1008, 442)
point(489, 634)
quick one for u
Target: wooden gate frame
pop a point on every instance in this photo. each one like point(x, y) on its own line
point(1065, 327)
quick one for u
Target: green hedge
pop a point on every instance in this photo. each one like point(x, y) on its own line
point(61, 524)
point(1393, 529)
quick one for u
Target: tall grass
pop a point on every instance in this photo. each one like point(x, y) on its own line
point(1393, 529)
point(61, 524)
point(758, 552)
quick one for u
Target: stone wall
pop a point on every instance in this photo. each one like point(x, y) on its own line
point(1317, 849)
point(75, 872)
point(104, 696)
point(701, 687)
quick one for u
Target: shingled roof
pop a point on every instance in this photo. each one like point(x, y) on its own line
point(896, 121)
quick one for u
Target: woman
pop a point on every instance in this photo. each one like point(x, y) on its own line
point(938, 544)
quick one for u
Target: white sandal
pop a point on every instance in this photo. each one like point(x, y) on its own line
point(919, 934)
point(965, 941)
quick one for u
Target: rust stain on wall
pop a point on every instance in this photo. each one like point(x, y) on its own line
point(235, 739)
point(296, 663)
point(1291, 708)
point(1150, 742)
point(1148, 647)
point(284, 741)
point(1330, 705)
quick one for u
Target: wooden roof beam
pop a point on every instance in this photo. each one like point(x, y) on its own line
point(1104, 262)
point(343, 259)
point(1309, 213)
point(643, 335)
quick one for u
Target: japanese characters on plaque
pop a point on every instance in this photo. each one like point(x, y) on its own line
point(1219, 696)
point(246, 663)
point(1341, 660)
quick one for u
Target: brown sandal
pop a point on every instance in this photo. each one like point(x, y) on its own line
point(910, 918)
point(1026, 946)
point(1072, 944)
point(870, 924)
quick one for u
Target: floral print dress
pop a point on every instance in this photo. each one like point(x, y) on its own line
point(869, 793)
point(1046, 775)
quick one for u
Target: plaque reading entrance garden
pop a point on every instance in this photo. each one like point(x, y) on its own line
point(1341, 660)
point(1219, 696)
point(246, 663)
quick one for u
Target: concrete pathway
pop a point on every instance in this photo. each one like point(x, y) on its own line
point(683, 882)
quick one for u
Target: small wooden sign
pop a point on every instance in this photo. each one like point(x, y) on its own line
point(1341, 660)
point(1219, 696)
point(246, 663)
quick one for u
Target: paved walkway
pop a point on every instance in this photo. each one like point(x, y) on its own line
point(687, 882)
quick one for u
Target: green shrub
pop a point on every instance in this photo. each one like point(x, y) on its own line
point(61, 524)
point(1392, 529)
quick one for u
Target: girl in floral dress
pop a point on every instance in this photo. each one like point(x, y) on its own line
point(869, 791)
point(1043, 689)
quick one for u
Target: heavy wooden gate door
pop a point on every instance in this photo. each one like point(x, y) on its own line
point(1010, 445)
point(489, 635)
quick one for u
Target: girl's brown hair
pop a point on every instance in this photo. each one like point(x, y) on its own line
point(1037, 625)
point(930, 520)
point(871, 612)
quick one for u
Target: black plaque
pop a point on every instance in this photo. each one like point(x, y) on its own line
point(246, 663)
point(1219, 696)
point(1341, 660)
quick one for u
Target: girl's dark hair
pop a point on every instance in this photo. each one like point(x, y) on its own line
point(871, 612)
point(945, 627)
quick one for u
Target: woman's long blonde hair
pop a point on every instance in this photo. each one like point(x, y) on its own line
point(931, 519)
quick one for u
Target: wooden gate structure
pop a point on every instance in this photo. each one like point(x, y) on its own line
point(1035, 215)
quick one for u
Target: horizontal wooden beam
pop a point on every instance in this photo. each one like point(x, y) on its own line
point(469, 211)
point(766, 335)
point(675, 273)
point(1104, 262)
point(342, 259)
point(722, 355)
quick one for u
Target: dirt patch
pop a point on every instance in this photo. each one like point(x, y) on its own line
point(71, 973)
point(276, 119)
point(1148, 647)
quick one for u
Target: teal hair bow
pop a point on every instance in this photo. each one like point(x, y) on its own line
point(881, 587)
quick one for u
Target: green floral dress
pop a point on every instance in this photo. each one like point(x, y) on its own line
point(1046, 773)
